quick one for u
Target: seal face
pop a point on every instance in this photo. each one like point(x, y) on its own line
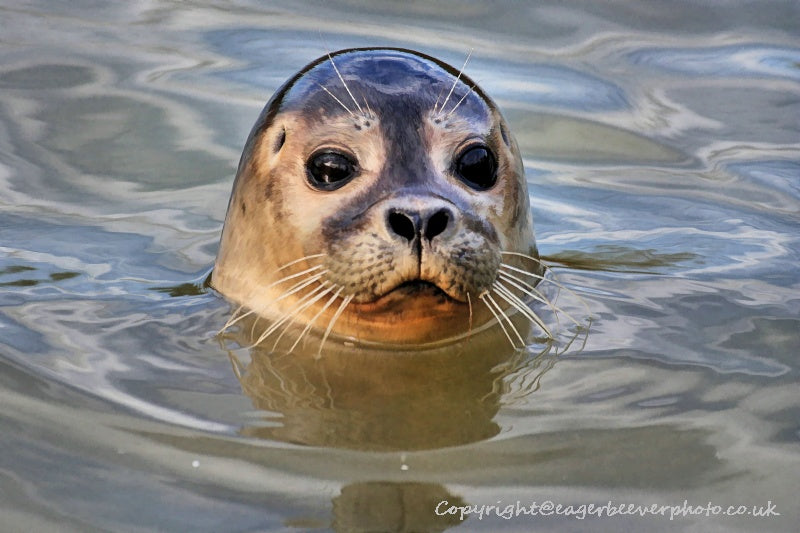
point(379, 196)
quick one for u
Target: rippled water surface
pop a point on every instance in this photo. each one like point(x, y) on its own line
point(662, 147)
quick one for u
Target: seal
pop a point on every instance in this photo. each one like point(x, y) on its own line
point(381, 198)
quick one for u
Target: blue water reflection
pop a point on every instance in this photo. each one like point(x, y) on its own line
point(269, 61)
point(741, 60)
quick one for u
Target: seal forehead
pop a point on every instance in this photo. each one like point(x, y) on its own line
point(382, 79)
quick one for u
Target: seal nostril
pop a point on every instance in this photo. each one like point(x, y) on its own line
point(437, 224)
point(402, 225)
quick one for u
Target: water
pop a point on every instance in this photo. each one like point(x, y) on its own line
point(662, 145)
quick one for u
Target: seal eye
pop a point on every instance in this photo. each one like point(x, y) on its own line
point(330, 170)
point(477, 168)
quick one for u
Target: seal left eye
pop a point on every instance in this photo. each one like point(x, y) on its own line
point(329, 170)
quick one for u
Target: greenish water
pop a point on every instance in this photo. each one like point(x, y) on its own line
point(662, 146)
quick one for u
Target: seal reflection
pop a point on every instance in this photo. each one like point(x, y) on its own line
point(379, 400)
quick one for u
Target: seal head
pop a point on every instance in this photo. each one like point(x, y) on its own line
point(377, 197)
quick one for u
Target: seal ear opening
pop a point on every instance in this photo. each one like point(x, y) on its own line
point(279, 141)
point(504, 134)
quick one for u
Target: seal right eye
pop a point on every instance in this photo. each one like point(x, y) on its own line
point(477, 167)
point(329, 170)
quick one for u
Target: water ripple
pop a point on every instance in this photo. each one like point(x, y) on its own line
point(748, 60)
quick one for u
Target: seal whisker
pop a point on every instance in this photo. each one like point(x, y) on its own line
point(291, 312)
point(346, 88)
point(371, 114)
point(305, 306)
point(469, 304)
point(301, 305)
point(234, 319)
point(459, 102)
point(231, 320)
point(548, 280)
point(518, 304)
point(502, 313)
point(455, 83)
point(508, 319)
point(337, 100)
point(300, 285)
point(497, 318)
point(531, 291)
point(253, 327)
point(524, 287)
point(316, 316)
point(572, 340)
point(345, 302)
point(526, 256)
point(522, 271)
point(292, 276)
point(238, 367)
point(304, 258)
point(439, 97)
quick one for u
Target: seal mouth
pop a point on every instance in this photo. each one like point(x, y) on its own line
point(416, 289)
point(420, 287)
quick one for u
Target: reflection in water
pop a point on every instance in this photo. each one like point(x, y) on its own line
point(580, 140)
point(46, 77)
point(368, 399)
point(26, 280)
point(383, 506)
point(383, 401)
point(739, 60)
point(616, 258)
